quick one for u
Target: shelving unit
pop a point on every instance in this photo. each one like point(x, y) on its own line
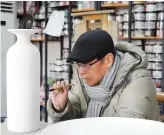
point(130, 37)
point(142, 38)
point(37, 40)
point(76, 12)
point(82, 10)
point(114, 5)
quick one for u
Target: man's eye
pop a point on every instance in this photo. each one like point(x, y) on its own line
point(79, 64)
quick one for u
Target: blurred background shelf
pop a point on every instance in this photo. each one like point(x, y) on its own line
point(140, 38)
point(42, 39)
point(114, 5)
point(82, 10)
point(37, 40)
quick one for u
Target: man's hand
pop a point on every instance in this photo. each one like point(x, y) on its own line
point(59, 98)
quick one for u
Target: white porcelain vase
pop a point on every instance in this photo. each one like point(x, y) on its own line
point(23, 83)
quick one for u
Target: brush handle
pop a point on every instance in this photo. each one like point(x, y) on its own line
point(52, 89)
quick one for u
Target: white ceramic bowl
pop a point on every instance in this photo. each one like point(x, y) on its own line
point(150, 7)
point(139, 16)
point(150, 16)
point(65, 67)
point(105, 126)
point(59, 62)
point(138, 8)
point(58, 68)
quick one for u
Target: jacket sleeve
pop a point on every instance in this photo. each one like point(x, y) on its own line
point(73, 107)
point(138, 98)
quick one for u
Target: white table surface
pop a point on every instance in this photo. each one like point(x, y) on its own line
point(4, 130)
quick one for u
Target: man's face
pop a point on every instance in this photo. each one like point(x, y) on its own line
point(94, 71)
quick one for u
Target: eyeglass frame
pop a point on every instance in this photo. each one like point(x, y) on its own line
point(90, 64)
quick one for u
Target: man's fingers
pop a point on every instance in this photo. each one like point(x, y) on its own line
point(54, 85)
point(58, 84)
point(65, 87)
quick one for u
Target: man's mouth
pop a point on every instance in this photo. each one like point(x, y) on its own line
point(86, 78)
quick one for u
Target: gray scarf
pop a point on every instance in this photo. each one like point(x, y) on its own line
point(101, 93)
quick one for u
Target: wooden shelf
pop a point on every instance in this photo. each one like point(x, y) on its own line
point(140, 38)
point(37, 40)
point(82, 10)
point(41, 39)
point(114, 5)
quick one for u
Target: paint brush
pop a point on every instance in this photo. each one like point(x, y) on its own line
point(60, 89)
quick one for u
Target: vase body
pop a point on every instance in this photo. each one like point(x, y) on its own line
point(23, 83)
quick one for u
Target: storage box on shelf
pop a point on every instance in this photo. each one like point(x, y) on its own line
point(147, 21)
point(147, 27)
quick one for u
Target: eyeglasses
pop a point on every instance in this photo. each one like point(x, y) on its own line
point(86, 66)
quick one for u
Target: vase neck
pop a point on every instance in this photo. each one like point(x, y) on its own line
point(23, 35)
point(23, 38)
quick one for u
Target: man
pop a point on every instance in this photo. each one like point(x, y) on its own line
point(113, 82)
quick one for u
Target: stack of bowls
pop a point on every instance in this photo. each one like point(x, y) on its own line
point(139, 18)
point(125, 25)
point(151, 17)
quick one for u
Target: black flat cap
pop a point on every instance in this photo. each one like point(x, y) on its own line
point(90, 45)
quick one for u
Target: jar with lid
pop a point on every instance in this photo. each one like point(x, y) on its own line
point(126, 26)
point(136, 42)
point(150, 24)
point(151, 16)
point(148, 48)
point(139, 32)
point(150, 56)
point(64, 61)
point(120, 26)
point(157, 48)
point(125, 33)
point(157, 74)
point(119, 18)
point(140, 16)
point(53, 74)
point(58, 68)
point(158, 57)
point(80, 5)
point(150, 7)
point(65, 75)
point(138, 7)
point(58, 75)
point(159, 6)
point(160, 16)
point(159, 24)
point(150, 32)
point(59, 62)
point(157, 66)
point(139, 24)
point(65, 67)
point(159, 33)
point(126, 17)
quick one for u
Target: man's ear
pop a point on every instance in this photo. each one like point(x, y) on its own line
point(109, 59)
